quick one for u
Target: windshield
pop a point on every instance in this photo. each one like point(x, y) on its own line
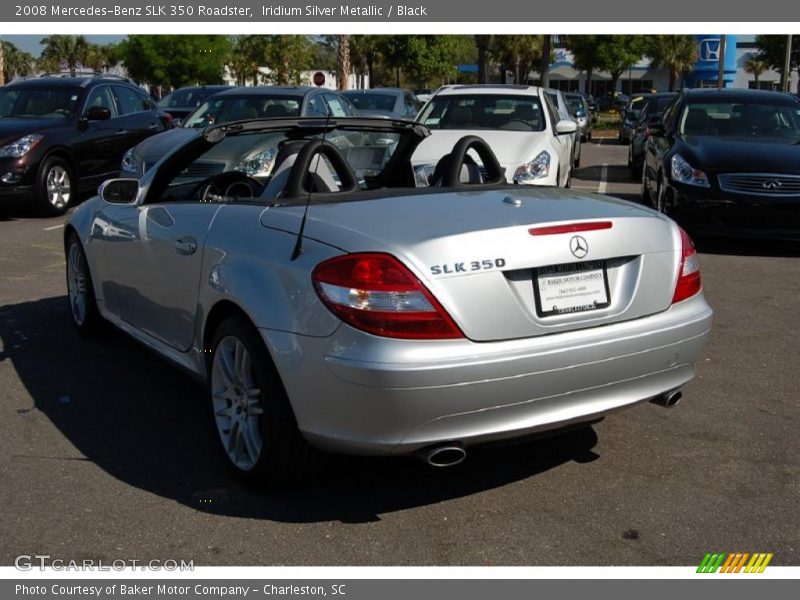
point(38, 102)
point(484, 111)
point(237, 108)
point(636, 105)
point(575, 104)
point(741, 119)
point(384, 102)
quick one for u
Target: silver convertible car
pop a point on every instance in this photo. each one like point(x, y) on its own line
point(339, 305)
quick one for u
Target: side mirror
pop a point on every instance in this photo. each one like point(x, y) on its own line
point(119, 191)
point(97, 113)
point(656, 129)
point(565, 126)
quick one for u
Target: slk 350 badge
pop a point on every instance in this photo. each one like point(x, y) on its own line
point(468, 266)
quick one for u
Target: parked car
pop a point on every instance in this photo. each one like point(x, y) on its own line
point(183, 101)
point(60, 136)
point(594, 109)
point(394, 103)
point(564, 110)
point(630, 116)
point(423, 94)
point(236, 104)
point(727, 162)
point(581, 113)
point(533, 142)
point(340, 308)
point(654, 107)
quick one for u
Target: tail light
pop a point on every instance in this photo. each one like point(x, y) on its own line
point(689, 273)
point(378, 294)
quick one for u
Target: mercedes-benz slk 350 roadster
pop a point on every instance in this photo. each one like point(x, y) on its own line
point(335, 305)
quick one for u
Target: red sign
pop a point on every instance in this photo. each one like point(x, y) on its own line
point(319, 78)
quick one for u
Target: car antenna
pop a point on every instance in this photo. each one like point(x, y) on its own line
point(298, 244)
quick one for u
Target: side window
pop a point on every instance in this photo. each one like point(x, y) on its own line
point(669, 116)
point(317, 107)
point(129, 100)
point(101, 96)
point(411, 106)
point(337, 107)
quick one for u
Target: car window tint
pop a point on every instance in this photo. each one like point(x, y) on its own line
point(101, 96)
point(384, 102)
point(485, 111)
point(129, 100)
point(37, 102)
point(335, 105)
point(317, 106)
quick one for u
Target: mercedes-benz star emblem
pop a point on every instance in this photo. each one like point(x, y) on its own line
point(771, 185)
point(578, 246)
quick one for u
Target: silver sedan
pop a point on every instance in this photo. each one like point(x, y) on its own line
point(338, 305)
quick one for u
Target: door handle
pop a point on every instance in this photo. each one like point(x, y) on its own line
point(153, 127)
point(186, 245)
point(122, 132)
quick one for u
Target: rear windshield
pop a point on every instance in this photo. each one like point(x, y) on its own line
point(484, 111)
point(58, 102)
point(383, 102)
point(741, 119)
point(184, 98)
point(232, 108)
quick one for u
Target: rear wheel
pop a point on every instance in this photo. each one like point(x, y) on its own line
point(645, 189)
point(54, 187)
point(251, 410)
point(80, 291)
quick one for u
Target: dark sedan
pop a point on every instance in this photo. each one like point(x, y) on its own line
point(392, 103)
point(727, 162)
point(64, 135)
point(183, 101)
point(654, 107)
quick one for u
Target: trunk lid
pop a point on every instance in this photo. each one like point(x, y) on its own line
point(474, 251)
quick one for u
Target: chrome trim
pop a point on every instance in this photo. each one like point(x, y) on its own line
point(752, 184)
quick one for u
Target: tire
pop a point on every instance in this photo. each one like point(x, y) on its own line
point(645, 190)
point(251, 411)
point(568, 183)
point(80, 290)
point(577, 162)
point(54, 187)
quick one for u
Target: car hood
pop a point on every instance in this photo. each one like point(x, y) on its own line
point(13, 129)
point(512, 148)
point(154, 148)
point(743, 154)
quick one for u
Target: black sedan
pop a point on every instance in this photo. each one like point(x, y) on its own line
point(654, 107)
point(727, 162)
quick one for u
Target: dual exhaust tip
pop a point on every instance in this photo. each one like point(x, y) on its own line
point(449, 455)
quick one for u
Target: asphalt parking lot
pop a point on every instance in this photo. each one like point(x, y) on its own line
point(107, 452)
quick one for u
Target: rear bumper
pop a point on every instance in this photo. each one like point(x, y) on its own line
point(357, 393)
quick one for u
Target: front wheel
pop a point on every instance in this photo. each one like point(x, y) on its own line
point(54, 187)
point(251, 410)
point(80, 291)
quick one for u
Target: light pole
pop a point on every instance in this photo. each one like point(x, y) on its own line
point(721, 65)
point(787, 61)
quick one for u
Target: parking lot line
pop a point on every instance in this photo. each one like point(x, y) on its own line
point(59, 226)
point(601, 188)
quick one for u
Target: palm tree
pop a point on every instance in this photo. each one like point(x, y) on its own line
point(517, 51)
point(73, 49)
point(483, 42)
point(14, 62)
point(343, 62)
point(676, 53)
point(756, 66)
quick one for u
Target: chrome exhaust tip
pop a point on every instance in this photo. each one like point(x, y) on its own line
point(669, 399)
point(444, 456)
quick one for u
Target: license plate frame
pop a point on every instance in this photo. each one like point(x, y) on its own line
point(569, 273)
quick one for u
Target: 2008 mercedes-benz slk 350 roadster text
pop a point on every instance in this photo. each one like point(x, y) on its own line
point(335, 305)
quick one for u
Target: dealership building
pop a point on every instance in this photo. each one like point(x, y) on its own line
point(643, 77)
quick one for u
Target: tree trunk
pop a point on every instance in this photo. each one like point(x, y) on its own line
point(370, 64)
point(589, 73)
point(482, 41)
point(2, 65)
point(343, 63)
point(672, 76)
point(544, 63)
point(397, 77)
point(503, 75)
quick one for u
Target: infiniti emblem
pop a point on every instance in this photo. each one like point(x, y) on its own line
point(771, 185)
point(578, 246)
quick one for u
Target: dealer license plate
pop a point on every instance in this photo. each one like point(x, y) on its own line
point(571, 288)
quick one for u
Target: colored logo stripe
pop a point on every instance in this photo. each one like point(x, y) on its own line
point(735, 562)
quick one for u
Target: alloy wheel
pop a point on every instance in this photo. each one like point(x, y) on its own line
point(76, 283)
point(59, 187)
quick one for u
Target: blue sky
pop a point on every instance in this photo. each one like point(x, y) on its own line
point(30, 43)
